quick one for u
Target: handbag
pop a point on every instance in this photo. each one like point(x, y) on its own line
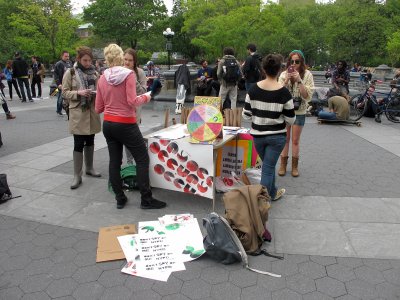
point(202, 84)
point(297, 102)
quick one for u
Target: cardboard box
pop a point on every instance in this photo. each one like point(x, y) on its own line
point(108, 247)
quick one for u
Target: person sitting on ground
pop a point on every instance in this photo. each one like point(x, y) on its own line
point(204, 79)
point(153, 78)
point(341, 78)
point(269, 105)
point(338, 109)
point(117, 98)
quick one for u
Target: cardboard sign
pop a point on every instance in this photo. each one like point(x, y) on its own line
point(231, 158)
point(108, 247)
point(254, 155)
point(213, 101)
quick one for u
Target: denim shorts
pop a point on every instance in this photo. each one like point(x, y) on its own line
point(300, 120)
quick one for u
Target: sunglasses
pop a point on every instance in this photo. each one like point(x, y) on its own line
point(297, 61)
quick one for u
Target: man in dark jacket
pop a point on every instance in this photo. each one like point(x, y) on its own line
point(59, 70)
point(20, 71)
point(252, 67)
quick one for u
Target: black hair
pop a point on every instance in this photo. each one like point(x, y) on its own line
point(202, 61)
point(272, 64)
point(344, 63)
point(229, 51)
point(251, 47)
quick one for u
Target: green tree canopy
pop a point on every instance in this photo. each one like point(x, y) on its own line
point(124, 21)
point(44, 28)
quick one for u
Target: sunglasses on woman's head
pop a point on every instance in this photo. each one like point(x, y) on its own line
point(297, 61)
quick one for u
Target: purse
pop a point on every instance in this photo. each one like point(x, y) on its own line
point(297, 102)
point(202, 84)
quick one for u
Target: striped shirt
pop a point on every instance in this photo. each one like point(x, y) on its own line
point(269, 111)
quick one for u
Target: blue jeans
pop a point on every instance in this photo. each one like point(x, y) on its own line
point(326, 115)
point(59, 102)
point(269, 148)
point(249, 85)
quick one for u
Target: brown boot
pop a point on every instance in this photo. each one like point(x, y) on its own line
point(10, 116)
point(295, 164)
point(282, 168)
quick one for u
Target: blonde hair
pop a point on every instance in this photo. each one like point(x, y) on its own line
point(114, 55)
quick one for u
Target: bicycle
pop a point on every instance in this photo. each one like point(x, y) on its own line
point(390, 104)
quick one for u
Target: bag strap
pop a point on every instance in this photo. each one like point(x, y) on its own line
point(242, 252)
point(266, 253)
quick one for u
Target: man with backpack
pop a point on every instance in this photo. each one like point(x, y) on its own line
point(252, 67)
point(59, 69)
point(229, 74)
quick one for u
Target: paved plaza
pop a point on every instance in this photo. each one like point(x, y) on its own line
point(338, 227)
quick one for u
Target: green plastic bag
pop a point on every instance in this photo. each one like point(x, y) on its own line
point(129, 179)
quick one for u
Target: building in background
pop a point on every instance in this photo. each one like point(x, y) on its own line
point(85, 30)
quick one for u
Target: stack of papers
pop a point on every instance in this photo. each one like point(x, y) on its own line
point(234, 130)
point(174, 132)
point(161, 247)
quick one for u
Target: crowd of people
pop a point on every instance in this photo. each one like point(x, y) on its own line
point(277, 97)
point(21, 76)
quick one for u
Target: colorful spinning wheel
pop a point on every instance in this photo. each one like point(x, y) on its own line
point(204, 123)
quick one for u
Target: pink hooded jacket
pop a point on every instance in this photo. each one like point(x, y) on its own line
point(116, 95)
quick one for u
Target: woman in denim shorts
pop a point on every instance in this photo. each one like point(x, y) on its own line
point(300, 83)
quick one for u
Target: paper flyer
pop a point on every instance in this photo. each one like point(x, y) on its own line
point(186, 236)
point(161, 247)
point(150, 256)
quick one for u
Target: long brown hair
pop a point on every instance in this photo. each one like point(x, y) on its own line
point(132, 52)
point(82, 51)
point(9, 64)
point(302, 68)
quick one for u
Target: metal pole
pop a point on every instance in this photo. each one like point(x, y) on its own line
point(169, 60)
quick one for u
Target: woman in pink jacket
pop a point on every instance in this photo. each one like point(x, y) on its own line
point(116, 97)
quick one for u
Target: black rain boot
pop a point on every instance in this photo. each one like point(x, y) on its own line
point(89, 152)
point(78, 162)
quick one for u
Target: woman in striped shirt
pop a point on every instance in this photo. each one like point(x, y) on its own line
point(269, 106)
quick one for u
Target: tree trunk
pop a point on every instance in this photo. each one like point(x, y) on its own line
point(134, 44)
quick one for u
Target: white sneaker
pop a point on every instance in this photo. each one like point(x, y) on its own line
point(279, 194)
point(178, 109)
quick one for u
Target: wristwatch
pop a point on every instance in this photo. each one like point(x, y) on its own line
point(300, 82)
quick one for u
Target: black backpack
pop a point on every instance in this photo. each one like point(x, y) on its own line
point(257, 68)
point(230, 71)
point(222, 244)
point(5, 193)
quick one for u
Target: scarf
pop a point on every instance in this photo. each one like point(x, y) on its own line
point(87, 78)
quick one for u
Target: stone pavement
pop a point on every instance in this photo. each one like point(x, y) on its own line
point(338, 228)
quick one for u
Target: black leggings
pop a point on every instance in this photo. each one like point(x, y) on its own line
point(118, 135)
point(81, 141)
point(12, 83)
